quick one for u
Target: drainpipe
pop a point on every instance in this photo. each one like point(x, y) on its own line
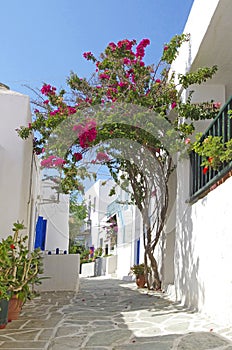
point(30, 208)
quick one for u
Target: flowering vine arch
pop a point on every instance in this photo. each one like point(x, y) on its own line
point(125, 100)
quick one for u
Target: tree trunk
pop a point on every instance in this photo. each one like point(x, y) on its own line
point(149, 185)
point(149, 260)
point(156, 278)
point(146, 272)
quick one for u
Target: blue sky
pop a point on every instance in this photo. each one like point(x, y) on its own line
point(43, 40)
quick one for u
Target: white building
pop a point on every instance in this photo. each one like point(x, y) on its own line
point(129, 239)
point(22, 193)
point(97, 199)
point(19, 168)
point(53, 218)
point(114, 225)
point(202, 243)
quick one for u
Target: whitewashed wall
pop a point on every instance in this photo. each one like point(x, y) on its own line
point(196, 25)
point(128, 234)
point(129, 224)
point(97, 199)
point(203, 256)
point(125, 259)
point(61, 273)
point(203, 240)
point(56, 210)
point(165, 248)
point(16, 162)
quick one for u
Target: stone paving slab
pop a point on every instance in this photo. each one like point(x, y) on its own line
point(108, 314)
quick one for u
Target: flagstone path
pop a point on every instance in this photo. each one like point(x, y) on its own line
point(108, 314)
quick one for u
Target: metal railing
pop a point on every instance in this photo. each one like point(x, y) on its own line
point(200, 183)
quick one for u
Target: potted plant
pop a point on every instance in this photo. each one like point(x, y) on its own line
point(5, 270)
point(19, 269)
point(139, 272)
point(4, 303)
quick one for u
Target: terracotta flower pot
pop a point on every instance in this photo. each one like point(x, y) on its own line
point(15, 306)
point(140, 281)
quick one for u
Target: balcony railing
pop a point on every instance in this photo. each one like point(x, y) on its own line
point(201, 183)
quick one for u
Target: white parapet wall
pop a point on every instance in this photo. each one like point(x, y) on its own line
point(111, 264)
point(87, 269)
point(125, 260)
point(104, 266)
point(62, 272)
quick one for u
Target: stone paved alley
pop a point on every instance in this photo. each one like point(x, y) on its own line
point(111, 314)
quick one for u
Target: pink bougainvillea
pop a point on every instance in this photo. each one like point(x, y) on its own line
point(56, 111)
point(48, 90)
point(126, 43)
point(122, 83)
point(88, 100)
point(140, 49)
point(52, 161)
point(174, 104)
point(88, 55)
point(87, 137)
point(101, 156)
point(71, 110)
point(104, 76)
point(126, 60)
point(217, 105)
point(77, 156)
point(86, 133)
point(122, 75)
point(112, 46)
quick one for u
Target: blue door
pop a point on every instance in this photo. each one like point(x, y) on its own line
point(40, 236)
point(137, 251)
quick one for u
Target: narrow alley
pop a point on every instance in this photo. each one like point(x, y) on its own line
point(108, 314)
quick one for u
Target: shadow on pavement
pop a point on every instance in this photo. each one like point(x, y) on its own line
point(108, 314)
point(112, 314)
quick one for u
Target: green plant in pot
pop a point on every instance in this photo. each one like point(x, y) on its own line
point(19, 268)
point(4, 303)
point(98, 253)
point(139, 272)
point(5, 271)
